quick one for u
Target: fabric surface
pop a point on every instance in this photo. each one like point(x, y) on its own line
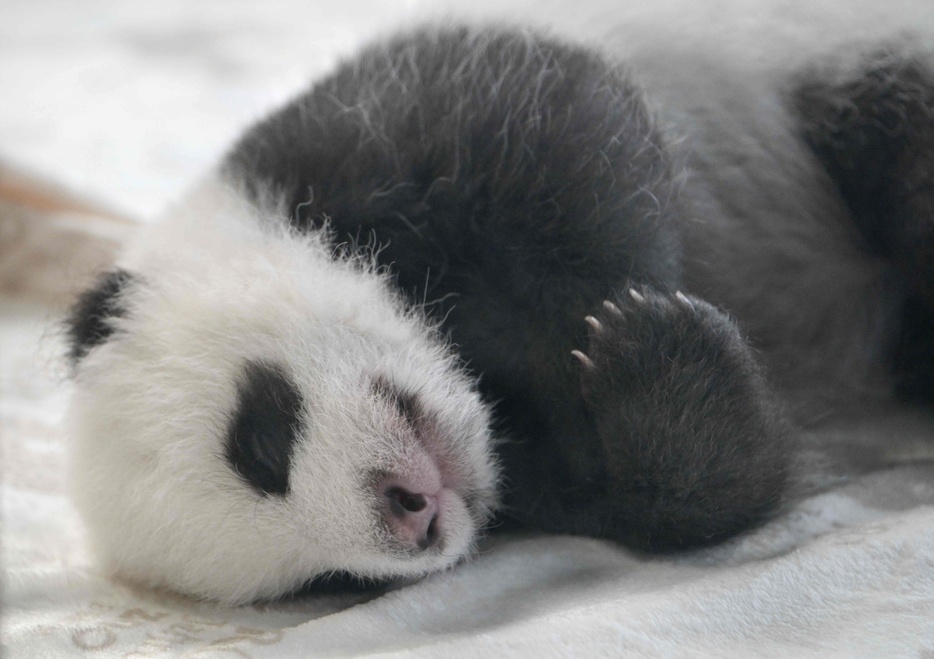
point(99, 96)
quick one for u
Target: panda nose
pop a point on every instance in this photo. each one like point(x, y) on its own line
point(413, 517)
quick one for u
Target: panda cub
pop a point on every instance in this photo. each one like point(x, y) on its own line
point(472, 279)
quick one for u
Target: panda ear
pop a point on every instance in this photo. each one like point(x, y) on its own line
point(89, 322)
point(264, 428)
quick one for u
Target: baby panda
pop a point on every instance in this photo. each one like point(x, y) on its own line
point(480, 277)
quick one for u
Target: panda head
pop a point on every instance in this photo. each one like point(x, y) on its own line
point(253, 411)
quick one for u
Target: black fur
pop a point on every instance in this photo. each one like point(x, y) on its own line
point(872, 127)
point(343, 583)
point(516, 183)
point(405, 402)
point(88, 324)
point(264, 428)
point(663, 370)
point(913, 351)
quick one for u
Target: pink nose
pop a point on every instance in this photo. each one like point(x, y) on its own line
point(413, 517)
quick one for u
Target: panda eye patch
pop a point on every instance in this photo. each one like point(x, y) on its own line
point(405, 403)
point(264, 428)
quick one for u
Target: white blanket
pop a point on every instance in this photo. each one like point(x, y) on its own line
point(128, 106)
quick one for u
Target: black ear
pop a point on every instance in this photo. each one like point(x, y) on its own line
point(88, 323)
point(264, 428)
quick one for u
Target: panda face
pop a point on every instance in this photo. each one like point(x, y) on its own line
point(253, 411)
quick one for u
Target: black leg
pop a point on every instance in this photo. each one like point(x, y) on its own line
point(872, 127)
point(695, 447)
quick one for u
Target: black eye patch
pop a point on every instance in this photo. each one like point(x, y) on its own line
point(405, 402)
point(89, 321)
point(264, 428)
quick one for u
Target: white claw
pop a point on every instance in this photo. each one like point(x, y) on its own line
point(583, 359)
point(636, 295)
point(612, 308)
point(683, 299)
point(595, 324)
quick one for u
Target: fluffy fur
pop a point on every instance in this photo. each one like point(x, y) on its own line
point(265, 390)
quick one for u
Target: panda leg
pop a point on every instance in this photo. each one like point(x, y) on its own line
point(872, 128)
point(695, 448)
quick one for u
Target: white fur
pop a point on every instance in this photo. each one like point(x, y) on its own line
point(219, 285)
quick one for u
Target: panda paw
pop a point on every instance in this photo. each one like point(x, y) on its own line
point(693, 443)
point(642, 335)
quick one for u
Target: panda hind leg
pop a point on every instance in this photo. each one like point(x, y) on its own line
point(695, 446)
point(872, 128)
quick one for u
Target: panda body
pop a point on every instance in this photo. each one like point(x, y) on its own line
point(475, 270)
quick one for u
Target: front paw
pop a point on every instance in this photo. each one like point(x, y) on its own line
point(648, 342)
point(693, 444)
